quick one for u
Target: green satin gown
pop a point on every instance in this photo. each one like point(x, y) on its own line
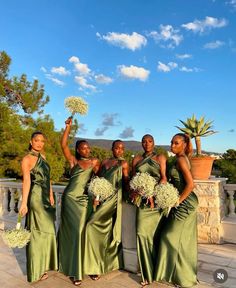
point(41, 252)
point(103, 230)
point(149, 222)
point(177, 253)
point(74, 214)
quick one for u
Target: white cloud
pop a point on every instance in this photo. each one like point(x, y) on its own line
point(110, 119)
point(122, 40)
point(43, 69)
point(232, 3)
point(183, 56)
point(74, 59)
point(79, 67)
point(82, 129)
point(83, 83)
point(166, 67)
point(214, 45)
point(207, 24)
point(167, 34)
point(188, 70)
point(100, 131)
point(102, 79)
point(55, 80)
point(134, 72)
point(60, 70)
point(82, 68)
point(128, 132)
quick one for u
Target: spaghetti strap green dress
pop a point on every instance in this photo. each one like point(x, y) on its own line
point(149, 221)
point(74, 214)
point(41, 252)
point(176, 262)
point(103, 230)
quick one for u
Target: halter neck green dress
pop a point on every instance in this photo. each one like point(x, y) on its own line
point(177, 253)
point(148, 223)
point(103, 230)
point(41, 252)
point(74, 214)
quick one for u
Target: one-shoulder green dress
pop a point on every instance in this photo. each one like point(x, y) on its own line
point(41, 252)
point(103, 230)
point(74, 214)
point(176, 261)
point(149, 221)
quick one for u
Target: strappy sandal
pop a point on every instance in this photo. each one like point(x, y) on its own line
point(44, 276)
point(95, 277)
point(144, 283)
point(77, 282)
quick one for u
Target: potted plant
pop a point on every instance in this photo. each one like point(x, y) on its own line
point(201, 165)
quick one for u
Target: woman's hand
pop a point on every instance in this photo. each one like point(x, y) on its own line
point(151, 201)
point(51, 199)
point(23, 210)
point(68, 121)
point(163, 181)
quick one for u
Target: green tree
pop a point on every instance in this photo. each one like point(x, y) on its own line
point(18, 92)
point(226, 167)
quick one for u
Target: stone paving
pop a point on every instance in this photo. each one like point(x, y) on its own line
point(210, 258)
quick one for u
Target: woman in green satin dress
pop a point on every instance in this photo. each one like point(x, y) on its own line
point(148, 219)
point(103, 230)
point(177, 253)
point(74, 207)
point(38, 206)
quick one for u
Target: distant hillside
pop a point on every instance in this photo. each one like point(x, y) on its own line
point(129, 145)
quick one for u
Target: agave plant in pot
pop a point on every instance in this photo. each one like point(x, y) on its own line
point(201, 165)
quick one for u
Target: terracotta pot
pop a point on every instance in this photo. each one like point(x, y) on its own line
point(201, 167)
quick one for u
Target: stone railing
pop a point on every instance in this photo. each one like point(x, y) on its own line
point(214, 205)
point(230, 190)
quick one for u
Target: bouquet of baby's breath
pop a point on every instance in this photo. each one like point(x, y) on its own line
point(100, 188)
point(166, 196)
point(17, 237)
point(76, 105)
point(143, 186)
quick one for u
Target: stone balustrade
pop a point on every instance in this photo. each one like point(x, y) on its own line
point(216, 201)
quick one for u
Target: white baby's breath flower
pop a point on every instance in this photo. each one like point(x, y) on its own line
point(17, 237)
point(76, 105)
point(100, 188)
point(144, 184)
point(166, 195)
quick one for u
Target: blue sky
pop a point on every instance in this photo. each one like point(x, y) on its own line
point(141, 65)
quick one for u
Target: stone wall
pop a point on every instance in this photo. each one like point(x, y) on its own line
point(211, 209)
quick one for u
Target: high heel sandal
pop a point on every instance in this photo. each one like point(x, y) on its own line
point(95, 277)
point(144, 283)
point(77, 282)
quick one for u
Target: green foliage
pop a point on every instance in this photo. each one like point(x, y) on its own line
point(226, 167)
point(100, 153)
point(18, 92)
point(160, 150)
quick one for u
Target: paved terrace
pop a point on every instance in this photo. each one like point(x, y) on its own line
point(210, 258)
